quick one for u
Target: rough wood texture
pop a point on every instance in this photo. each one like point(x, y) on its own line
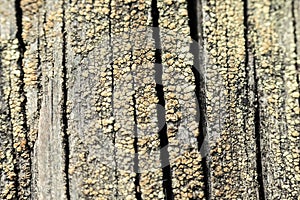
point(229, 100)
point(149, 99)
point(272, 48)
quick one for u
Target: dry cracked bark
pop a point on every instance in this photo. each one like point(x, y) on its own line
point(149, 99)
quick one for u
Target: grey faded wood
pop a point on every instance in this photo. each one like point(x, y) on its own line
point(149, 99)
point(274, 59)
point(229, 86)
point(9, 46)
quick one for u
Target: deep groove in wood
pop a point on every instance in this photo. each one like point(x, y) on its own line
point(164, 154)
point(136, 169)
point(259, 171)
point(257, 109)
point(138, 194)
point(200, 87)
point(259, 167)
point(22, 49)
point(246, 100)
point(64, 105)
point(19, 15)
point(39, 73)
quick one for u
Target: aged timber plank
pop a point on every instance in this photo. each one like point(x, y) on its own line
point(18, 151)
point(273, 46)
point(92, 165)
point(96, 104)
point(182, 111)
point(32, 20)
point(49, 149)
point(229, 102)
point(147, 166)
point(124, 99)
point(8, 59)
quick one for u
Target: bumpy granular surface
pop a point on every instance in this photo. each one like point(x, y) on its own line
point(149, 99)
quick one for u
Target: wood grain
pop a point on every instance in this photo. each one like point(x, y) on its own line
point(149, 99)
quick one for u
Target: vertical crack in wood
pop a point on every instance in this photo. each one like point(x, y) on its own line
point(259, 167)
point(26, 160)
point(112, 97)
point(296, 42)
point(258, 137)
point(138, 194)
point(163, 137)
point(192, 7)
point(39, 72)
point(19, 15)
point(248, 106)
point(64, 104)
point(39, 75)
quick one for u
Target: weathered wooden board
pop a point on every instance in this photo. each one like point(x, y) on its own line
point(149, 99)
point(229, 102)
point(15, 148)
point(273, 56)
point(9, 56)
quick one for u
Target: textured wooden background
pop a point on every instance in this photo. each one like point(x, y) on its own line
point(141, 99)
